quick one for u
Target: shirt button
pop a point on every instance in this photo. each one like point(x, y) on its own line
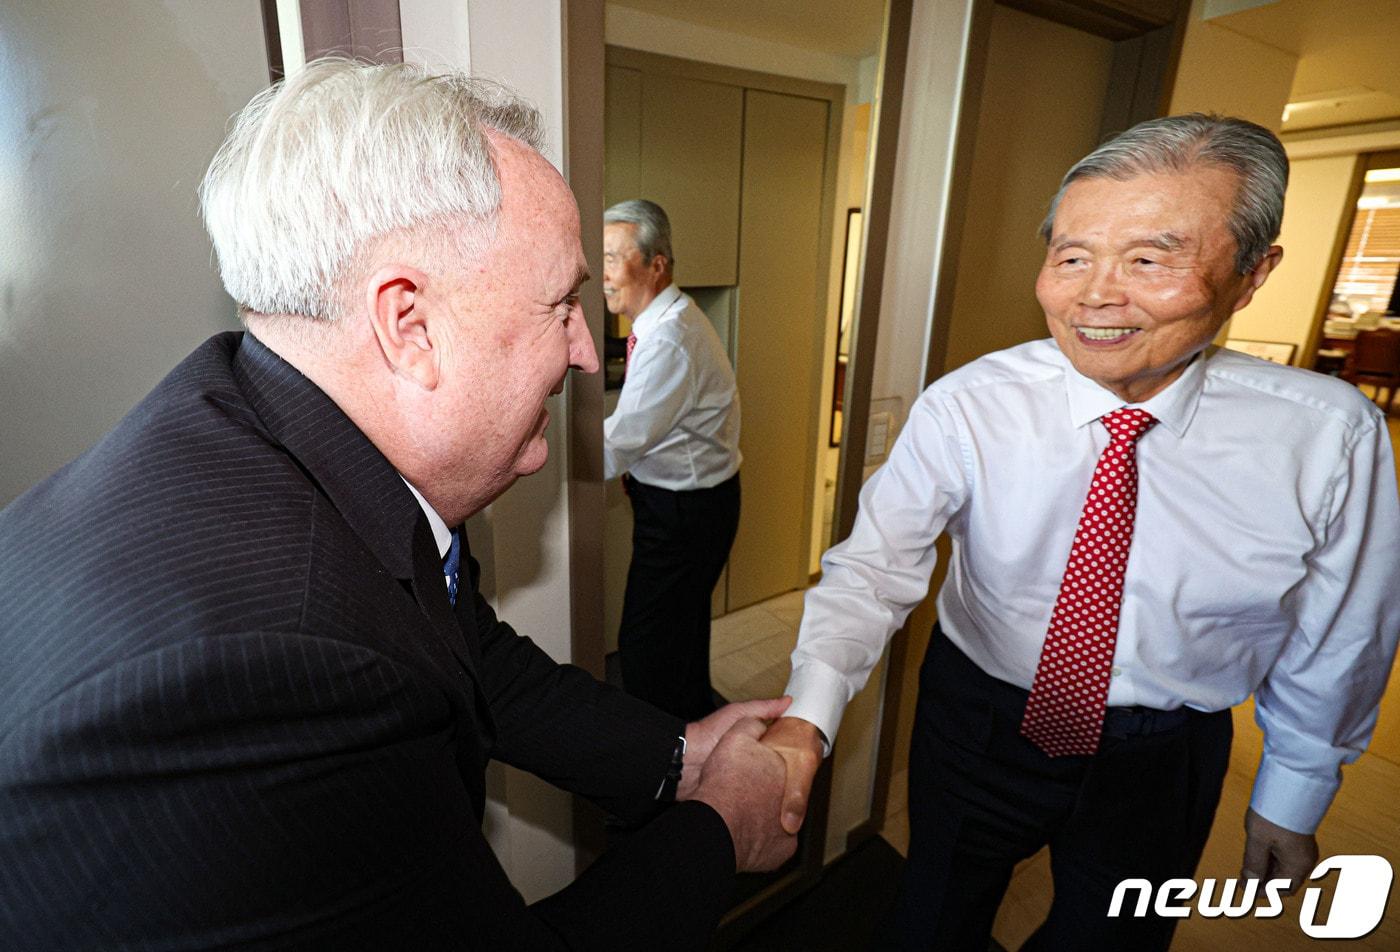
point(1117, 671)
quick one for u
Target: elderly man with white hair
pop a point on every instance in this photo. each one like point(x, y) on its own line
point(250, 686)
point(1146, 531)
point(673, 437)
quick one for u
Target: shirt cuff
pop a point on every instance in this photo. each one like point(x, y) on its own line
point(1293, 800)
point(819, 697)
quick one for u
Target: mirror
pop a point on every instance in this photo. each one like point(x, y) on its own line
point(756, 143)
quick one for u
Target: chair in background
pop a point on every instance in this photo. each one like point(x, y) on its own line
point(1377, 362)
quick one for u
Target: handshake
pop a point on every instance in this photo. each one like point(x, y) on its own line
point(755, 768)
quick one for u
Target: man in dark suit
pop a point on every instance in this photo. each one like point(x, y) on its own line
point(245, 702)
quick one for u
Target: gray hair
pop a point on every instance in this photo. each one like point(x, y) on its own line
point(1179, 143)
point(653, 233)
point(341, 155)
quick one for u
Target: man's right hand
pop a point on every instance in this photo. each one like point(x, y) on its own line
point(800, 744)
point(743, 781)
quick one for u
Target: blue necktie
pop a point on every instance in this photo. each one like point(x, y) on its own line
point(452, 567)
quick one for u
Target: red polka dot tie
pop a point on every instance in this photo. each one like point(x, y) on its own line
point(1064, 714)
point(631, 346)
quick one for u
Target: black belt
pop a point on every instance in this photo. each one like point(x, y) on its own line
point(1137, 721)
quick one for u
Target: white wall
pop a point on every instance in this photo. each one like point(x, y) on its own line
point(525, 533)
point(436, 33)
point(1285, 308)
point(928, 124)
point(107, 122)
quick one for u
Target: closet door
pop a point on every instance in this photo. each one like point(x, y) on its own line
point(622, 130)
point(678, 142)
point(780, 325)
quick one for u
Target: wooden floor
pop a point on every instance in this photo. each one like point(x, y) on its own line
point(750, 659)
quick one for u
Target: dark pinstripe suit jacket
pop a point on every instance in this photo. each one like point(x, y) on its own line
point(236, 708)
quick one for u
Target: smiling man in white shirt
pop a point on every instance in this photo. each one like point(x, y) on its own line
point(674, 438)
point(1146, 532)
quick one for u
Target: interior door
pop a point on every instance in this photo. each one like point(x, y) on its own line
point(780, 326)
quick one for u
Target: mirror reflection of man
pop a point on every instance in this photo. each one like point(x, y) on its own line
point(674, 437)
point(1146, 532)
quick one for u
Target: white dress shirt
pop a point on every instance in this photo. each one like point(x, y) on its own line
point(1263, 559)
point(441, 534)
point(676, 424)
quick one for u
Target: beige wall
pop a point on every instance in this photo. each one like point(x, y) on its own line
point(994, 304)
point(1226, 72)
point(850, 193)
point(640, 30)
point(1285, 308)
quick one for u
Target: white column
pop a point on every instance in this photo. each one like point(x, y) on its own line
point(289, 35)
point(436, 33)
point(522, 539)
point(933, 87)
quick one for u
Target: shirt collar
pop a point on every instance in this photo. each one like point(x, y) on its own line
point(659, 305)
point(441, 534)
point(1173, 408)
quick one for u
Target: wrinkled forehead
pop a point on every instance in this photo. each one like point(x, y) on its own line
point(1175, 205)
point(620, 237)
point(528, 180)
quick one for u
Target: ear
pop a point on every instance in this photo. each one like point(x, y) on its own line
point(659, 266)
point(1256, 278)
point(399, 315)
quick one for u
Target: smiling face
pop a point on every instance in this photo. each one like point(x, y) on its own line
point(1140, 275)
point(630, 282)
point(517, 326)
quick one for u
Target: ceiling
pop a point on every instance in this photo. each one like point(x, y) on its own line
point(844, 27)
point(1348, 56)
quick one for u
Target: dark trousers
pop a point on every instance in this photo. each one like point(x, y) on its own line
point(982, 797)
point(680, 542)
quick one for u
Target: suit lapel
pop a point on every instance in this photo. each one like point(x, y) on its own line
point(359, 482)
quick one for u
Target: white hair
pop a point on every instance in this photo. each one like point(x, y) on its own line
point(342, 155)
point(653, 228)
point(1180, 143)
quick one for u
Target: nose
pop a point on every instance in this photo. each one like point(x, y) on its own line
point(582, 354)
point(1103, 287)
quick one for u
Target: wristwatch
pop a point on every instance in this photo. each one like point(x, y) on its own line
point(672, 780)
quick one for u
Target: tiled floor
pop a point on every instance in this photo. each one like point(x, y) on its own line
point(750, 659)
point(749, 648)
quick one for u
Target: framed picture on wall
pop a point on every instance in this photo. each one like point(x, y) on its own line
point(1276, 351)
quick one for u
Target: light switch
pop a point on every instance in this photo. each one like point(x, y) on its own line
point(877, 438)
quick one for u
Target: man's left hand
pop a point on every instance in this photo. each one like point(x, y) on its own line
point(702, 735)
point(1272, 852)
